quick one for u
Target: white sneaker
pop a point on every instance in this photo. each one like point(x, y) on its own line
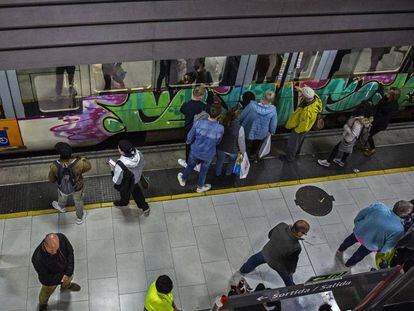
point(182, 163)
point(204, 188)
point(339, 162)
point(197, 168)
point(56, 206)
point(181, 181)
point(340, 256)
point(324, 163)
point(147, 212)
point(82, 220)
point(235, 278)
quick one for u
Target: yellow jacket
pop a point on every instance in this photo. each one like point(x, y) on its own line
point(303, 118)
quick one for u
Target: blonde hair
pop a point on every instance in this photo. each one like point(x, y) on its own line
point(199, 91)
point(269, 96)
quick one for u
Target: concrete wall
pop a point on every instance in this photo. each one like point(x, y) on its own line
point(47, 33)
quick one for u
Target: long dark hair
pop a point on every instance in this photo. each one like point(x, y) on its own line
point(231, 115)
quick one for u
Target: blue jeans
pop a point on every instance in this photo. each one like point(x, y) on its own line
point(192, 162)
point(360, 253)
point(257, 260)
point(221, 157)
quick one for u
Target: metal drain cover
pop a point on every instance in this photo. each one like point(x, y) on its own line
point(314, 200)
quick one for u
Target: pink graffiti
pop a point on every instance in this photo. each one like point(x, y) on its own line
point(112, 99)
point(85, 126)
point(383, 79)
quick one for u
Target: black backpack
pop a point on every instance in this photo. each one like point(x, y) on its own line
point(128, 179)
point(65, 177)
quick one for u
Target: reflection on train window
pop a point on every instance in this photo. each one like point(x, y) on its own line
point(54, 89)
point(306, 65)
point(362, 61)
point(2, 116)
point(116, 76)
point(206, 70)
point(267, 68)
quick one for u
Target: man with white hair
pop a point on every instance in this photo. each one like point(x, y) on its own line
point(302, 120)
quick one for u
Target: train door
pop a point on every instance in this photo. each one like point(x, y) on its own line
point(10, 137)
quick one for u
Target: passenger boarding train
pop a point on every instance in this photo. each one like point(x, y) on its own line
point(85, 105)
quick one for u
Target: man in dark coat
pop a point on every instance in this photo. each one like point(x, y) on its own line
point(54, 263)
point(282, 251)
point(383, 113)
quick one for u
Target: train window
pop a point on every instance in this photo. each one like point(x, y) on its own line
point(306, 65)
point(206, 70)
point(267, 68)
point(2, 115)
point(118, 76)
point(369, 60)
point(54, 89)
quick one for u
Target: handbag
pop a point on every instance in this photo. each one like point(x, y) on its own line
point(244, 166)
point(265, 146)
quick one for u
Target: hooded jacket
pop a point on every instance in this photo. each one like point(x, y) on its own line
point(135, 164)
point(378, 228)
point(52, 268)
point(81, 166)
point(282, 251)
point(304, 117)
point(258, 119)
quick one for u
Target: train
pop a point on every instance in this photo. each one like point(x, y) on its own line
point(88, 104)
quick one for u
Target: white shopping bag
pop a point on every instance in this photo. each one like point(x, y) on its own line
point(265, 146)
point(244, 166)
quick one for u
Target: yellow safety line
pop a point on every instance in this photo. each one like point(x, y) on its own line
point(223, 191)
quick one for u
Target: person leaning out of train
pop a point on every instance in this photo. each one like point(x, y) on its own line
point(258, 119)
point(204, 136)
point(232, 143)
point(302, 120)
point(126, 176)
point(352, 130)
point(68, 172)
point(383, 113)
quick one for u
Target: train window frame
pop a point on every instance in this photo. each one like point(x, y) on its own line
point(2, 113)
point(212, 84)
point(376, 72)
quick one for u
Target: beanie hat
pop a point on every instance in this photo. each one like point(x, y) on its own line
point(126, 146)
point(308, 93)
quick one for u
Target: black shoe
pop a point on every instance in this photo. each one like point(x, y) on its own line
point(74, 287)
point(42, 307)
point(118, 203)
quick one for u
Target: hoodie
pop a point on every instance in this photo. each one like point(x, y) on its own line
point(305, 115)
point(135, 164)
point(258, 119)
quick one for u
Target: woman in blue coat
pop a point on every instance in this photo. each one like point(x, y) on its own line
point(258, 119)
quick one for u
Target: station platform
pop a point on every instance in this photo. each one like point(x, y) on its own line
point(198, 241)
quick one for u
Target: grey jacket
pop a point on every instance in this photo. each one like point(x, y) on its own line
point(282, 251)
point(135, 164)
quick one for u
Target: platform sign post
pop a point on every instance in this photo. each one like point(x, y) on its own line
point(4, 139)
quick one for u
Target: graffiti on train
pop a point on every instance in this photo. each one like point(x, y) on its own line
point(106, 115)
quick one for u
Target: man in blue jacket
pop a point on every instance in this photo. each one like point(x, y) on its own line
point(377, 228)
point(204, 136)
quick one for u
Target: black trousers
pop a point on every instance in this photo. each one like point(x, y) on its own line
point(137, 195)
point(372, 133)
point(334, 152)
point(254, 147)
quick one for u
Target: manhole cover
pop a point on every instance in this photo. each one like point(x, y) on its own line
point(314, 200)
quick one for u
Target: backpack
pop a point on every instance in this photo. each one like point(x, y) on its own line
point(128, 179)
point(65, 177)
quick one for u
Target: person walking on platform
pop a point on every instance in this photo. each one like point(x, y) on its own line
point(259, 119)
point(68, 172)
point(159, 296)
point(204, 136)
point(302, 120)
point(232, 143)
point(352, 130)
point(126, 175)
point(282, 251)
point(382, 116)
point(377, 228)
point(54, 263)
point(190, 109)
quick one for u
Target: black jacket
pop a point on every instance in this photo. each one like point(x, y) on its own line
point(189, 110)
point(46, 265)
point(383, 113)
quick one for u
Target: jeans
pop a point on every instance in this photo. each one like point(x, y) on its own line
point(360, 254)
point(137, 195)
point(47, 291)
point(257, 260)
point(221, 156)
point(294, 144)
point(77, 198)
point(334, 152)
point(191, 163)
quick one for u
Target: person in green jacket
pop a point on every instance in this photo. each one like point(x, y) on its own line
point(302, 120)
